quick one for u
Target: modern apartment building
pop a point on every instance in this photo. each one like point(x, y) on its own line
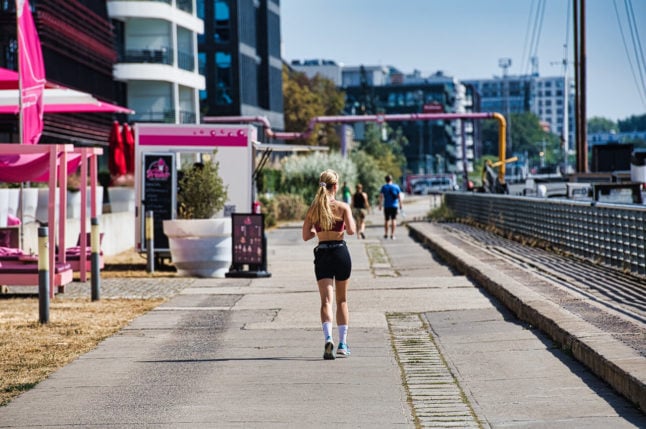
point(543, 96)
point(157, 66)
point(434, 146)
point(239, 55)
point(78, 52)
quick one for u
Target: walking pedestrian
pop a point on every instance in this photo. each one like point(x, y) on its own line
point(390, 198)
point(328, 219)
point(346, 194)
point(360, 207)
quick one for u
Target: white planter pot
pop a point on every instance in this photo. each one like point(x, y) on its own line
point(4, 206)
point(13, 201)
point(29, 204)
point(43, 199)
point(200, 247)
point(74, 203)
point(121, 199)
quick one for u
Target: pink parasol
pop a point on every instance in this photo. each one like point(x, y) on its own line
point(129, 148)
point(117, 160)
point(56, 98)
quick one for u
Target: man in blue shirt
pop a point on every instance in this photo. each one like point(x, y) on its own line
point(390, 198)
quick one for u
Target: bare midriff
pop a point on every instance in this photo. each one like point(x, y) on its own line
point(330, 235)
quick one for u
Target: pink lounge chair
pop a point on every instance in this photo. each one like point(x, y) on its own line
point(25, 273)
point(73, 254)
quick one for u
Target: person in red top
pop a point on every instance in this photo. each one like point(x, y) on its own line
point(328, 219)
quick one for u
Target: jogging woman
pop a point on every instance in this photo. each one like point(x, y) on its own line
point(328, 219)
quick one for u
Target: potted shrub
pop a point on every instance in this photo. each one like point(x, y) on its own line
point(200, 242)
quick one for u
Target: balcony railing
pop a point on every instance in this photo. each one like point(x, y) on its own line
point(165, 116)
point(185, 5)
point(156, 56)
point(186, 61)
point(170, 2)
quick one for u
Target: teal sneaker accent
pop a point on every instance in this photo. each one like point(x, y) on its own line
point(343, 350)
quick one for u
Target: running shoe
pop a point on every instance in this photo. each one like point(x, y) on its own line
point(343, 350)
point(362, 235)
point(328, 354)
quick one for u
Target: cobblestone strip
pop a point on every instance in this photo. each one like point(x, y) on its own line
point(379, 260)
point(435, 396)
point(133, 288)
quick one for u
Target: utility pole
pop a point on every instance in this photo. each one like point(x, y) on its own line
point(580, 87)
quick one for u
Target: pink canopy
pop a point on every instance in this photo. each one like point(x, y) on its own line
point(32, 167)
point(56, 99)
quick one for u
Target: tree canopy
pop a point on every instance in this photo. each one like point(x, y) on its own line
point(306, 98)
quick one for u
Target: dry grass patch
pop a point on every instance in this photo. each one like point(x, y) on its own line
point(30, 352)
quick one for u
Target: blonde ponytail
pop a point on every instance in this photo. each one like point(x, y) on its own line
point(320, 212)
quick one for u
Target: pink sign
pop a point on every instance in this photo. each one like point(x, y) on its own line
point(198, 135)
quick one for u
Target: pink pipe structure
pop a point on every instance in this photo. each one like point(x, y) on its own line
point(401, 117)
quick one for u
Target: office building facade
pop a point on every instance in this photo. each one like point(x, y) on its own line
point(434, 146)
point(549, 98)
point(157, 71)
point(239, 55)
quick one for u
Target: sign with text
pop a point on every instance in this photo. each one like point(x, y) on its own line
point(249, 246)
point(158, 194)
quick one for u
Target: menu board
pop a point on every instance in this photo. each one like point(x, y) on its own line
point(248, 236)
point(158, 194)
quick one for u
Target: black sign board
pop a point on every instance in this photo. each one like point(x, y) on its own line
point(249, 246)
point(158, 194)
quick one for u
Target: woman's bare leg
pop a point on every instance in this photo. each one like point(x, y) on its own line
point(326, 290)
point(342, 315)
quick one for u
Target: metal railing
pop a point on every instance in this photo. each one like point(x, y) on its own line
point(161, 55)
point(611, 234)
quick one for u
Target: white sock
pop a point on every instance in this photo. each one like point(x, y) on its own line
point(343, 334)
point(327, 330)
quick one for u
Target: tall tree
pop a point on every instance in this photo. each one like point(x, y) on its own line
point(633, 123)
point(597, 124)
point(389, 154)
point(306, 98)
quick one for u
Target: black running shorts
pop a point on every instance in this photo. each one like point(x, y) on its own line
point(390, 213)
point(332, 261)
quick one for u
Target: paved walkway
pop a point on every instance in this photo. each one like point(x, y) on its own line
point(430, 349)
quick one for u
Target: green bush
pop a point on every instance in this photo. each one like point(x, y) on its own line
point(283, 207)
point(202, 190)
point(301, 173)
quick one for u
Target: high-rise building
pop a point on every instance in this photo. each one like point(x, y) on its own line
point(157, 66)
point(239, 55)
point(544, 96)
point(434, 146)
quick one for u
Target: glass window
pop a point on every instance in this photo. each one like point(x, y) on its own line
point(201, 62)
point(200, 9)
point(223, 79)
point(222, 32)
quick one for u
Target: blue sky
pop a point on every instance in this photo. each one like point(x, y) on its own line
point(466, 38)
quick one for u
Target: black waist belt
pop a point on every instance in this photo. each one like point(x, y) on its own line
point(330, 244)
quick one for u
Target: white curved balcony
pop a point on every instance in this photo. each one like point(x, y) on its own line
point(158, 72)
point(125, 9)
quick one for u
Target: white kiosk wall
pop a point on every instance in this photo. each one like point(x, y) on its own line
point(234, 144)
